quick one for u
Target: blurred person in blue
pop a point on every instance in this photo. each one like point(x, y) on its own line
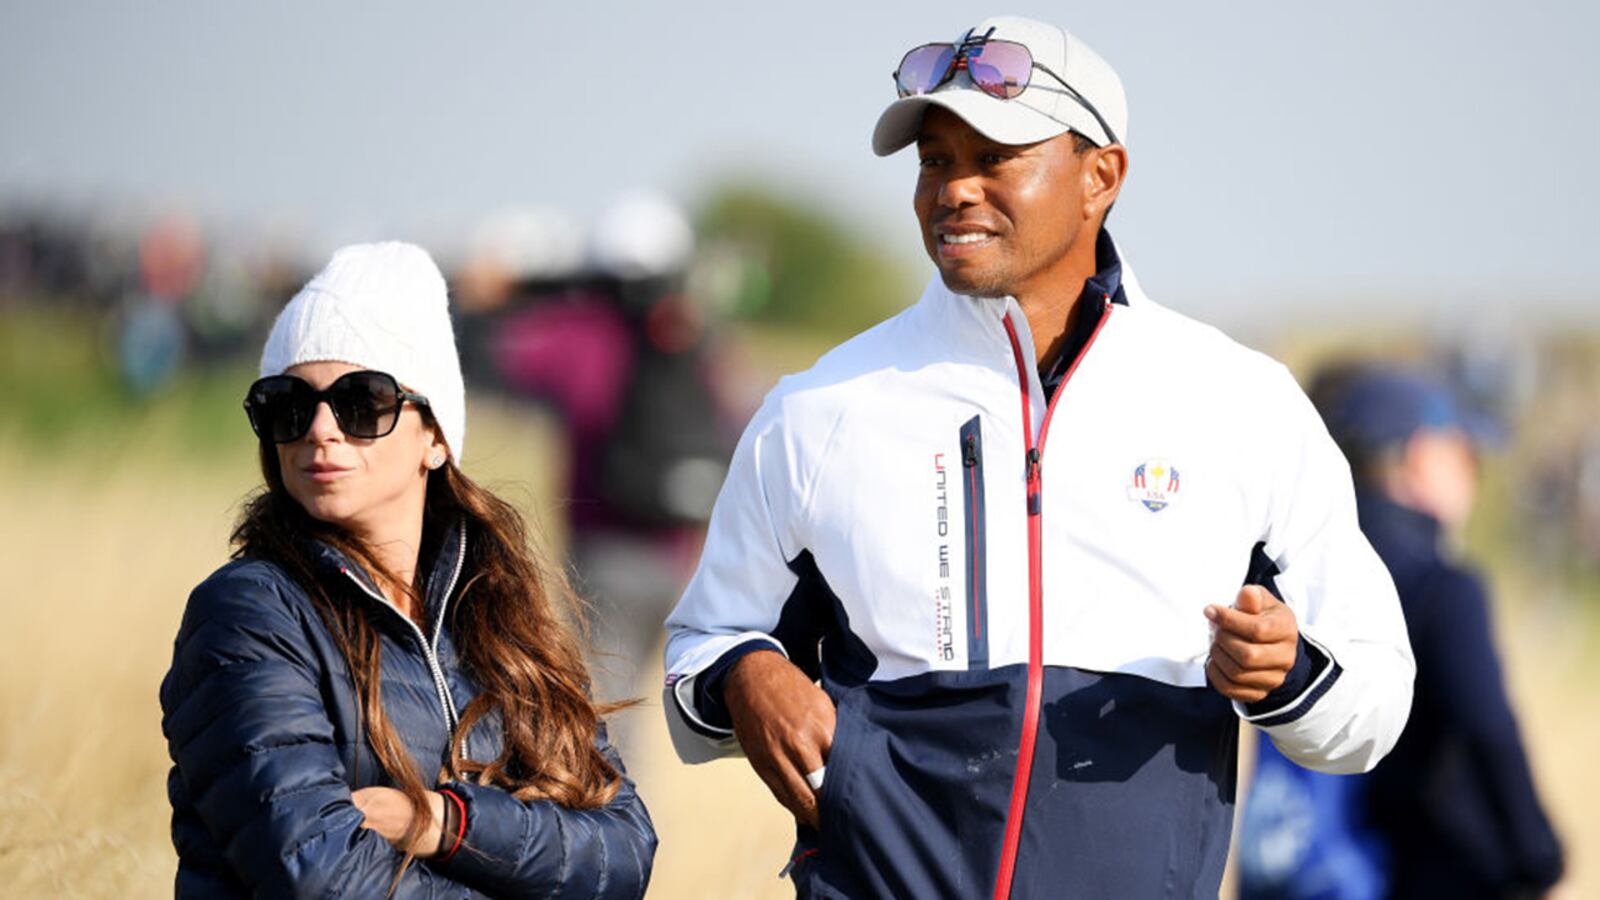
point(1007, 530)
point(621, 353)
point(380, 693)
point(1453, 811)
point(153, 340)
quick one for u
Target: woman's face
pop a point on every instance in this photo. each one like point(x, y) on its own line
point(368, 486)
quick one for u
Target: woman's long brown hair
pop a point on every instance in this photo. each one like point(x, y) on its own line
point(526, 660)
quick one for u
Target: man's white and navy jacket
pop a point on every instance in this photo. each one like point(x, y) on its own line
point(1004, 596)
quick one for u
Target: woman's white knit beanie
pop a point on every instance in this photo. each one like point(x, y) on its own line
point(384, 307)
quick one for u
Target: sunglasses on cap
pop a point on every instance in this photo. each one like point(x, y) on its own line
point(366, 404)
point(1000, 68)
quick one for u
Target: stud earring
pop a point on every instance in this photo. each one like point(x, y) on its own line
point(435, 461)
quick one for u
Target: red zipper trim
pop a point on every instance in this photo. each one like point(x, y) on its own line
point(1030, 714)
point(1050, 410)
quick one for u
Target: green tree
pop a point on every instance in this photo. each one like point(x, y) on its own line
point(803, 268)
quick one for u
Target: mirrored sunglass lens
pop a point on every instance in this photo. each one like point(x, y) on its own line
point(365, 403)
point(1000, 68)
point(923, 69)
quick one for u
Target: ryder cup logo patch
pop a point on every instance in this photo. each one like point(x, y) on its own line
point(1155, 484)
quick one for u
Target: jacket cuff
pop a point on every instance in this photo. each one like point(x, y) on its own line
point(1312, 675)
point(694, 700)
point(708, 700)
point(485, 850)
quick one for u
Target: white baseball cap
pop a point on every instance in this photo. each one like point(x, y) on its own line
point(1045, 108)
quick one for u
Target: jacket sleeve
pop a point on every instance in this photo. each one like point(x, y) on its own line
point(254, 754)
point(516, 848)
point(1353, 710)
point(738, 592)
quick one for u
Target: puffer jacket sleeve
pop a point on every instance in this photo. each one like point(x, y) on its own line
point(254, 753)
point(516, 848)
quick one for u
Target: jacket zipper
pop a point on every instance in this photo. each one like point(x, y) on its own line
point(977, 573)
point(429, 650)
point(1030, 715)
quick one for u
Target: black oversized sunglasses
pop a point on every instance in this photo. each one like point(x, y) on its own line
point(366, 404)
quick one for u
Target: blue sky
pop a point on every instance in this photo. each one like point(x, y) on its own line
point(1285, 156)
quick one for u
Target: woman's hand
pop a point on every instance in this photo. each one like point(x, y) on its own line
point(389, 813)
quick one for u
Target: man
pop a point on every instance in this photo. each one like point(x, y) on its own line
point(1004, 528)
point(1453, 811)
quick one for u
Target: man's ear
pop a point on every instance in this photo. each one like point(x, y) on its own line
point(1103, 174)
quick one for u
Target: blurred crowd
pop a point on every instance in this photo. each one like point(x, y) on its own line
point(612, 331)
point(164, 294)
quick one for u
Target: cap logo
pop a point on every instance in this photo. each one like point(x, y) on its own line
point(1155, 485)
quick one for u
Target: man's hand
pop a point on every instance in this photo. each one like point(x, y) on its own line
point(785, 725)
point(1253, 646)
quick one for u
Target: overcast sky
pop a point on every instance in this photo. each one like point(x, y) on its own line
point(1282, 153)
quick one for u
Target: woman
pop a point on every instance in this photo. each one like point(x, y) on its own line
point(377, 695)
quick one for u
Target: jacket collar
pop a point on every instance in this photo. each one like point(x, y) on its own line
point(1103, 287)
point(975, 326)
point(1114, 280)
point(1394, 528)
point(447, 558)
point(1106, 282)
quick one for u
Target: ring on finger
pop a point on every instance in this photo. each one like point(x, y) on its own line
point(815, 777)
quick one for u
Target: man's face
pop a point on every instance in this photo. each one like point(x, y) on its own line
point(998, 219)
point(1440, 476)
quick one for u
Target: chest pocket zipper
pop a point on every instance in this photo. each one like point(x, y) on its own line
point(977, 565)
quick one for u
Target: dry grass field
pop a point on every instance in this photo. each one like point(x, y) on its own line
point(102, 539)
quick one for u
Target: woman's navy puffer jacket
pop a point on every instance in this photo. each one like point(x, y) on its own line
point(260, 717)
